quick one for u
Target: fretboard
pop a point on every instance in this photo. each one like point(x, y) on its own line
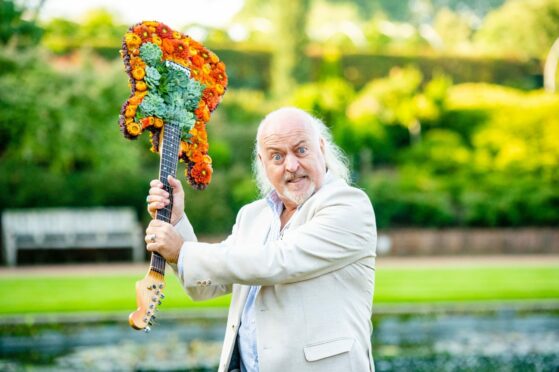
point(169, 151)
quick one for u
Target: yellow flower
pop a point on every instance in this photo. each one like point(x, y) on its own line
point(132, 40)
point(138, 73)
point(141, 85)
point(177, 35)
point(156, 40)
point(151, 23)
point(133, 128)
point(158, 123)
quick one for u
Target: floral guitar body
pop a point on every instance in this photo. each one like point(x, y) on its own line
point(175, 85)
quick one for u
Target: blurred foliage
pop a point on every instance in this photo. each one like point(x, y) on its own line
point(428, 153)
point(14, 29)
point(98, 30)
point(500, 34)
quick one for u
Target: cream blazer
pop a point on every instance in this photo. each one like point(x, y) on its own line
point(313, 311)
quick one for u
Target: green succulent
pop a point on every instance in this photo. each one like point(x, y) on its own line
point(151, 54)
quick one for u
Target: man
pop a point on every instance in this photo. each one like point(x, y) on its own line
point(300, 261)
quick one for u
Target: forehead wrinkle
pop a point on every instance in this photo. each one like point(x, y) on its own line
point(283, 140)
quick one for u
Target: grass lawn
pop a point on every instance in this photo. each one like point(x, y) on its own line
point(36, 294)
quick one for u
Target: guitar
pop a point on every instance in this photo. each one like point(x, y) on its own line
point(149, 290)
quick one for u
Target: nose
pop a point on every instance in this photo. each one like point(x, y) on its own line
point(291, 163)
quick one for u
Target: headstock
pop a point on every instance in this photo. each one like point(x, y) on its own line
point(149, 294)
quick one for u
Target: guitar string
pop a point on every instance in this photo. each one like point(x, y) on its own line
point(169, 160)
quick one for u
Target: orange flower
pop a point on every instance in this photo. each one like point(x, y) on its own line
point(184, 148)
point(133, 129)
point(130, 111)
point(197, 60)
point(196, 156)
point(164, 31)
point(138, 73)
point(200, 126)
point(211, 97)
point(168, 46)
point(158, 122)
point(202, 112)
point(146, 122)
point(137, 98)
point(202, 173)
point(137, 62)
point(142, 31)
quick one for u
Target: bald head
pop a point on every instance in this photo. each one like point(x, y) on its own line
point(284, 121)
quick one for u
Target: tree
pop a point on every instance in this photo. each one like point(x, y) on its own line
point(14, 29)
point(522, 28)
point(289, 60)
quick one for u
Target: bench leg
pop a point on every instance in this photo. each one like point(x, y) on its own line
point(10, 253)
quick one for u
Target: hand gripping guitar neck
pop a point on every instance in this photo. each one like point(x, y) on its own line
point(175, 85)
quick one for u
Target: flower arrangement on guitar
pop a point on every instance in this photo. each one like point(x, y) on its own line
point(173, 78)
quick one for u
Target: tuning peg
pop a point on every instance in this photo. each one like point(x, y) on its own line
point(147, 329)
point(159, 302)
point(154, 299)
point(162, 296)
point(160, 286)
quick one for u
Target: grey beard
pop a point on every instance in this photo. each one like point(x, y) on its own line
point(300, 198)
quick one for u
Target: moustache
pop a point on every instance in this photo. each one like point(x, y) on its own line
point(292, 176)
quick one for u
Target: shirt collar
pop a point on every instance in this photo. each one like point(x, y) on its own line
point(275, 202)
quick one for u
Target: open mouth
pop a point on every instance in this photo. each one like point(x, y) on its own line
point(296, 179)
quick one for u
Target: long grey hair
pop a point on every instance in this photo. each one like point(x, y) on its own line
point(336, 162)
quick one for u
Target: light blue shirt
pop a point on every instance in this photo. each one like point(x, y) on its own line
point(246, 339)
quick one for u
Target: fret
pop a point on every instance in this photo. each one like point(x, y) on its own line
point(167, 167)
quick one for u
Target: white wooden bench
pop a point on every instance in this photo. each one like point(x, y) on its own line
point(67, 228)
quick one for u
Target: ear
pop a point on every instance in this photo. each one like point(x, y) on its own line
point(321, 143)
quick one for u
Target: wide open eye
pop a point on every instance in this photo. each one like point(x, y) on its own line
point(276, 157)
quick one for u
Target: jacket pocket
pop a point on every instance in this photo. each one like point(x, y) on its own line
point(328, 348)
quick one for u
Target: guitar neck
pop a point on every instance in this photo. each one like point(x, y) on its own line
point(169, 149)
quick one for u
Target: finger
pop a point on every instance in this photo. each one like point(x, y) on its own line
point(152, 247)
point(153, 226)
point(156, 191)
point(175, 184)
point(157, 201)
point(156, 183)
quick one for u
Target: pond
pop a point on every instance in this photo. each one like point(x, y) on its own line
point(497, 340)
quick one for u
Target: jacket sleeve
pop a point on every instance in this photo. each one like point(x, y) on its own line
point(201, 291)
point(340, 230)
